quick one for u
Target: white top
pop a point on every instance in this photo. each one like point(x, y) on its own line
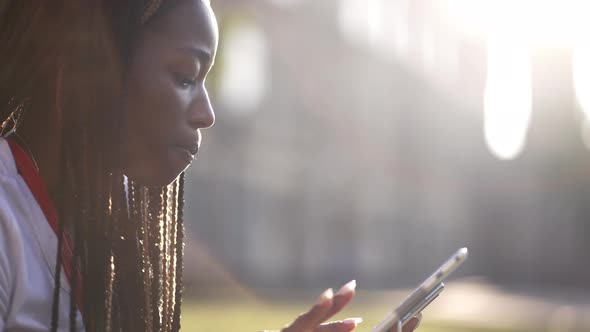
point(28, 249)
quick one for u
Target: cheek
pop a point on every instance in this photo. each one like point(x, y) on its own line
point(154, 114)
point(151, 105)
point(156, 106)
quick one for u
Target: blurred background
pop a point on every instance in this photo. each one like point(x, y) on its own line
point(370, 139)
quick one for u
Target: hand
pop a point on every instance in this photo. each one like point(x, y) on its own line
point(411, 325)
point(327, 306)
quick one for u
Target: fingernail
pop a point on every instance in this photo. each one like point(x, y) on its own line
point(352, 321)
point(348, 287)
point(327, 295)
point(419, 317)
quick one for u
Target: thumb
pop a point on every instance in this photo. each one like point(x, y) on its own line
point(309, 320)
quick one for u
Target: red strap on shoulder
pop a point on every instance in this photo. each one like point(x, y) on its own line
point(29, 173)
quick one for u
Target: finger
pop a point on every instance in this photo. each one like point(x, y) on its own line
point(312, 318)
point(341, 298)
point(410, 326)
point(345, 325)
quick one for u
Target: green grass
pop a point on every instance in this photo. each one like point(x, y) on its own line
point(255, 315)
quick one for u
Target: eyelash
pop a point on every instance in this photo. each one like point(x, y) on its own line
point(184, 82)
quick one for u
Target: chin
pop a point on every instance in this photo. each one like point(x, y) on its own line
point(158, 172)
point(159, 180)
point(156, 182)
point(154, 179)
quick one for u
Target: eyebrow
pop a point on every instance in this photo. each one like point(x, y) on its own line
point(199, 53)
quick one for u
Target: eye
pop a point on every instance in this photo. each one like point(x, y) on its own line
point(184, 82)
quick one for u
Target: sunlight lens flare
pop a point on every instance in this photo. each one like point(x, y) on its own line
point(507, 96)
point(360, 20)
point(581, 75)
point(382, 25)
point(544, 23)
point(245, 74)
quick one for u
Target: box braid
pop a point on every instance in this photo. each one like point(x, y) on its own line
point(127, 239)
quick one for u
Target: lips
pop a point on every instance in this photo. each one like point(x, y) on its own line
point(193, 148)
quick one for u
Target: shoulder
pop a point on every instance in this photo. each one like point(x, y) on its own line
point(9, 194)
point(12, 207)
point(15, 229)
point(8, 170)
point(7, 164)
point(11, 240)
point(16, 199)
point(12, 190)
point(22, 223)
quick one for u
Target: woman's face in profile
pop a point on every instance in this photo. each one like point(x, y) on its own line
point(167, 103)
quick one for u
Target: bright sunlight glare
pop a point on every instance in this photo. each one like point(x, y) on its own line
point(380, 24)
point(544, 23)
point(361, 21)
point(245, 60)
point(284, 3)
point(513, 28)
point(581, 75)
point(508, 95)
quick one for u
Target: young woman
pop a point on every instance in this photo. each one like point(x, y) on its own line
point(101, 107)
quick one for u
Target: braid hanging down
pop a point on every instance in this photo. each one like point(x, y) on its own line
point(127, 239)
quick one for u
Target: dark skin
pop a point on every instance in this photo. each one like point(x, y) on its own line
point(327, 306)
point(167, 103)
point(167, 106)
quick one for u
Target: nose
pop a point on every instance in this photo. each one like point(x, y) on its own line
point(201, 114)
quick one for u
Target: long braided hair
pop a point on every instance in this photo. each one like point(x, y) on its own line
point(127, 238)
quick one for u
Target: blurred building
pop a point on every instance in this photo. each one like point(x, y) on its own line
point(346, 150)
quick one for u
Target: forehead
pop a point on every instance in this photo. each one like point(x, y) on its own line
point(189, 22)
